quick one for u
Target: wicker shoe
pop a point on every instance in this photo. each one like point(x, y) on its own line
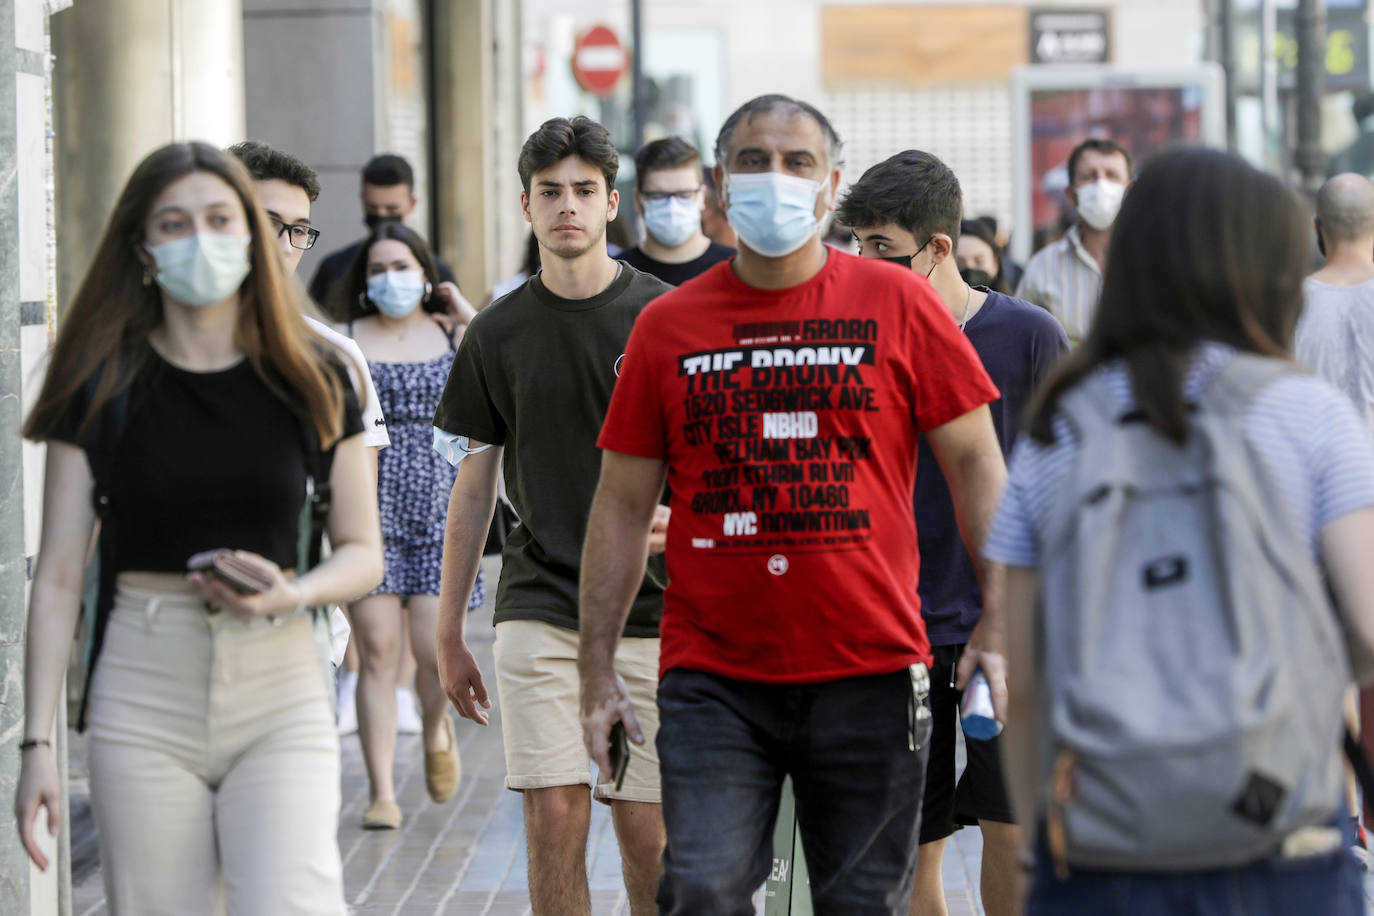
point(442, 768)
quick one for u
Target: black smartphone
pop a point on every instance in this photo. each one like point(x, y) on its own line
point(229, 569)
point(619, 753)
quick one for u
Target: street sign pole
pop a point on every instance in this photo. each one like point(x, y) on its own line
point(637, 100)
point(1311, 35)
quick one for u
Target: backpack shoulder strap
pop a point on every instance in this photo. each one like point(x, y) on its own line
point(1094, 413)
point(100, 443)
point(450, 331)
point(319, 463)
point(107, 426)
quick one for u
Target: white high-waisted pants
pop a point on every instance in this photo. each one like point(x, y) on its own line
point(214, 763)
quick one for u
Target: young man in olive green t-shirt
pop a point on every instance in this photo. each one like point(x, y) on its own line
point(532, 379)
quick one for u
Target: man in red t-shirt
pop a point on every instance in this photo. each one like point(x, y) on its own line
point(781, 395)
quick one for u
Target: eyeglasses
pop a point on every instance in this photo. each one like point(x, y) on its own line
point(302, 237)
point(684, 196)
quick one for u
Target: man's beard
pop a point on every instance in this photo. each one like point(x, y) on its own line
point(569, 254)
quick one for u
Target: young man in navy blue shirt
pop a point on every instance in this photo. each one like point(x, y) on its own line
point(908, 210)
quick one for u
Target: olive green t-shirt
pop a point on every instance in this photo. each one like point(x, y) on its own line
point(534, 374)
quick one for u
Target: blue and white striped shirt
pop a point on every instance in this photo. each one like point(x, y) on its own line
point(1305, 431)
point(1063, 279)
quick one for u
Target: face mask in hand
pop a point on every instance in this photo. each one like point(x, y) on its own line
point(772, 213)
point(671, 221)
point(397, 293)
point(202, 269)
point(1099, 202)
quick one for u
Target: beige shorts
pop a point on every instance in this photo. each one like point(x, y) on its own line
point(536, 682)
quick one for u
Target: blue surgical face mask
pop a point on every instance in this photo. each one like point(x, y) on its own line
point(397, 293)
point(671, 221)
point(202, 269)
point(772, 213)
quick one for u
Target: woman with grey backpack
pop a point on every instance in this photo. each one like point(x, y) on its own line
point(1186, 533)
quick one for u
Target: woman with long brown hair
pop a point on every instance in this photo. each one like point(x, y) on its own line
point(187, 406)
point(1170, 526)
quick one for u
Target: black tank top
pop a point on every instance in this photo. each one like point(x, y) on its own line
point(206, 460)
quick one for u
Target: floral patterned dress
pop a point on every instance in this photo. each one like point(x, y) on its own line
point(413, 481)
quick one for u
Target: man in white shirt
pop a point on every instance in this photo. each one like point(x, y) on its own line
point(1065, 277)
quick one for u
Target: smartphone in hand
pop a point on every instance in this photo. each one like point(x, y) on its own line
point(223, 565)
point(619, 753)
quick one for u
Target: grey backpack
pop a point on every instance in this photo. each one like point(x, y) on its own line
point(1191, 664)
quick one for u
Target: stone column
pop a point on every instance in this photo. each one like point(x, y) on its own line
point(464, 127)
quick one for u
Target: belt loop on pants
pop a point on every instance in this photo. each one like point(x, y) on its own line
point(150, 610)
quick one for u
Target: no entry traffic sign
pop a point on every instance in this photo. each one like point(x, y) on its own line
point(598, 60)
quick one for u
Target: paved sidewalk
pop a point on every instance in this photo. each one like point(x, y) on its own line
point(465, 857)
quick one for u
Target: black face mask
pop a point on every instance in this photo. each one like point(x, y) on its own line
point(906, 259)
point(373, 220)
point(1321, 245)
point(975, 277)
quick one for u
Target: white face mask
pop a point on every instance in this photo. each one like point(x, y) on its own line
point(671, 221)
point(1099, 202)
point(202, 269)
point(772, 213)
point(397, 293)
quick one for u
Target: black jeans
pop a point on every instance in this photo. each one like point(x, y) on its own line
point(724, 748)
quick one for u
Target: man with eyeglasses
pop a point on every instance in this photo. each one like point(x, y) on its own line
point(668, 197)
point(286, 189)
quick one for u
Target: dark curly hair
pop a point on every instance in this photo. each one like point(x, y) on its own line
point(265, 163)
point(558, 138)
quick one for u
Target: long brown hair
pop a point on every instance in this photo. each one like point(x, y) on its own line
point(107, 324)
point(1205, 248)
point(347, 298)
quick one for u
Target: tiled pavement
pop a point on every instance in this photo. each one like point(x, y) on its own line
point(466, 857)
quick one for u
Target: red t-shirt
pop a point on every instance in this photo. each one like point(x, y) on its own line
point(789, 420)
